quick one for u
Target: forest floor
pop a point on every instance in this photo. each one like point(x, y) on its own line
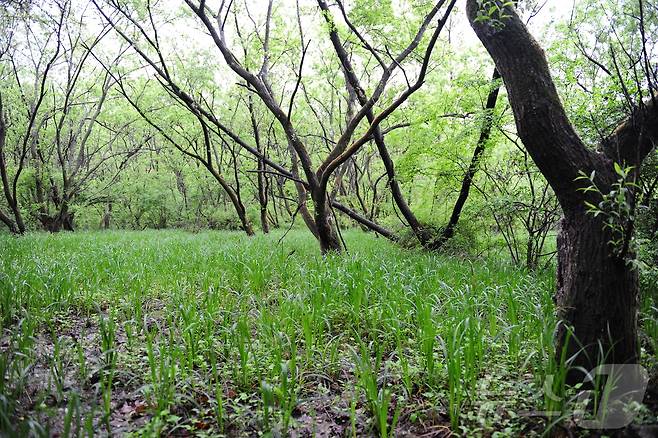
point(169, 333)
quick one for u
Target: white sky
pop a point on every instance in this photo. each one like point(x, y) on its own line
point(551, 10)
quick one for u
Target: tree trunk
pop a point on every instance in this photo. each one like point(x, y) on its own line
point(8, 222)
point(246, 225)
point(16, 226)
point(235, 200)
point(61, 221)
point(485, 132)
point(302, 196)
point(423, 234)
point(327, 235)
point(262, 196)
point(597, 294)
point(262, 182)
point(107, 216)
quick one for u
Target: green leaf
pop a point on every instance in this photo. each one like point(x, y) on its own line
point(619, 170)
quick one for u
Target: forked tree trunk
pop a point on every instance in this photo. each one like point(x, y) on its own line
point(424, 235)
point(61, 221)
point(597, 296)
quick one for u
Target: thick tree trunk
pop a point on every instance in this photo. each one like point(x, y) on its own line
point(597, 290)
point(8, 222)
point(597, 296)
point(61, 221)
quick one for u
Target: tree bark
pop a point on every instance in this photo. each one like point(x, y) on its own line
point(107, 216)
point(261, 176)
point(61, 221)
point(16, 226)
point(597, 296)
point(235, 200)
point(8, 222)
point(262, 197)
point(302, 194)
point(326, 228)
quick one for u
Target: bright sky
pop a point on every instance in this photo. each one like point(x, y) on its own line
point(549, 11)
point(180, 35)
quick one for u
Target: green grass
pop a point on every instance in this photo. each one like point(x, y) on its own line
point(216, 333)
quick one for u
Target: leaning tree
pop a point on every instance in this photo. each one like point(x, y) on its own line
point(597, 284)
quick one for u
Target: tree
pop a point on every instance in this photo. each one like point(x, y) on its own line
point(72, 153)
point(29, 118)
point(316, 179)
point(54, 138)
point(597, 296)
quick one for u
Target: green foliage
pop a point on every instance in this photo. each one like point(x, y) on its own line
point(223, 312)
point(493, 12)
point(617, 208)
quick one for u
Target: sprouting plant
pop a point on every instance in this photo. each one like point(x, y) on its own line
point(72, 417)
point(6, 399)
point(379, 399)
point(129, 329)
point(89, 422)
point(555, 384)
point(107, 328)
point(353, 416)
point(83, 372)
point(493, 12)
point(287, 390)
point(617, 208)
point(452, 347)
point(407, 380)
point(427, 335)
point(242, 340)
point(57, 367)
point(219, 398)
point(163, 374)
point(514, 329)
point(331, 357)
point(267, 393)
point(308, 323)
point(191, 335)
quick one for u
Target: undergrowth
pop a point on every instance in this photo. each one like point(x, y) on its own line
point(215, 333)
